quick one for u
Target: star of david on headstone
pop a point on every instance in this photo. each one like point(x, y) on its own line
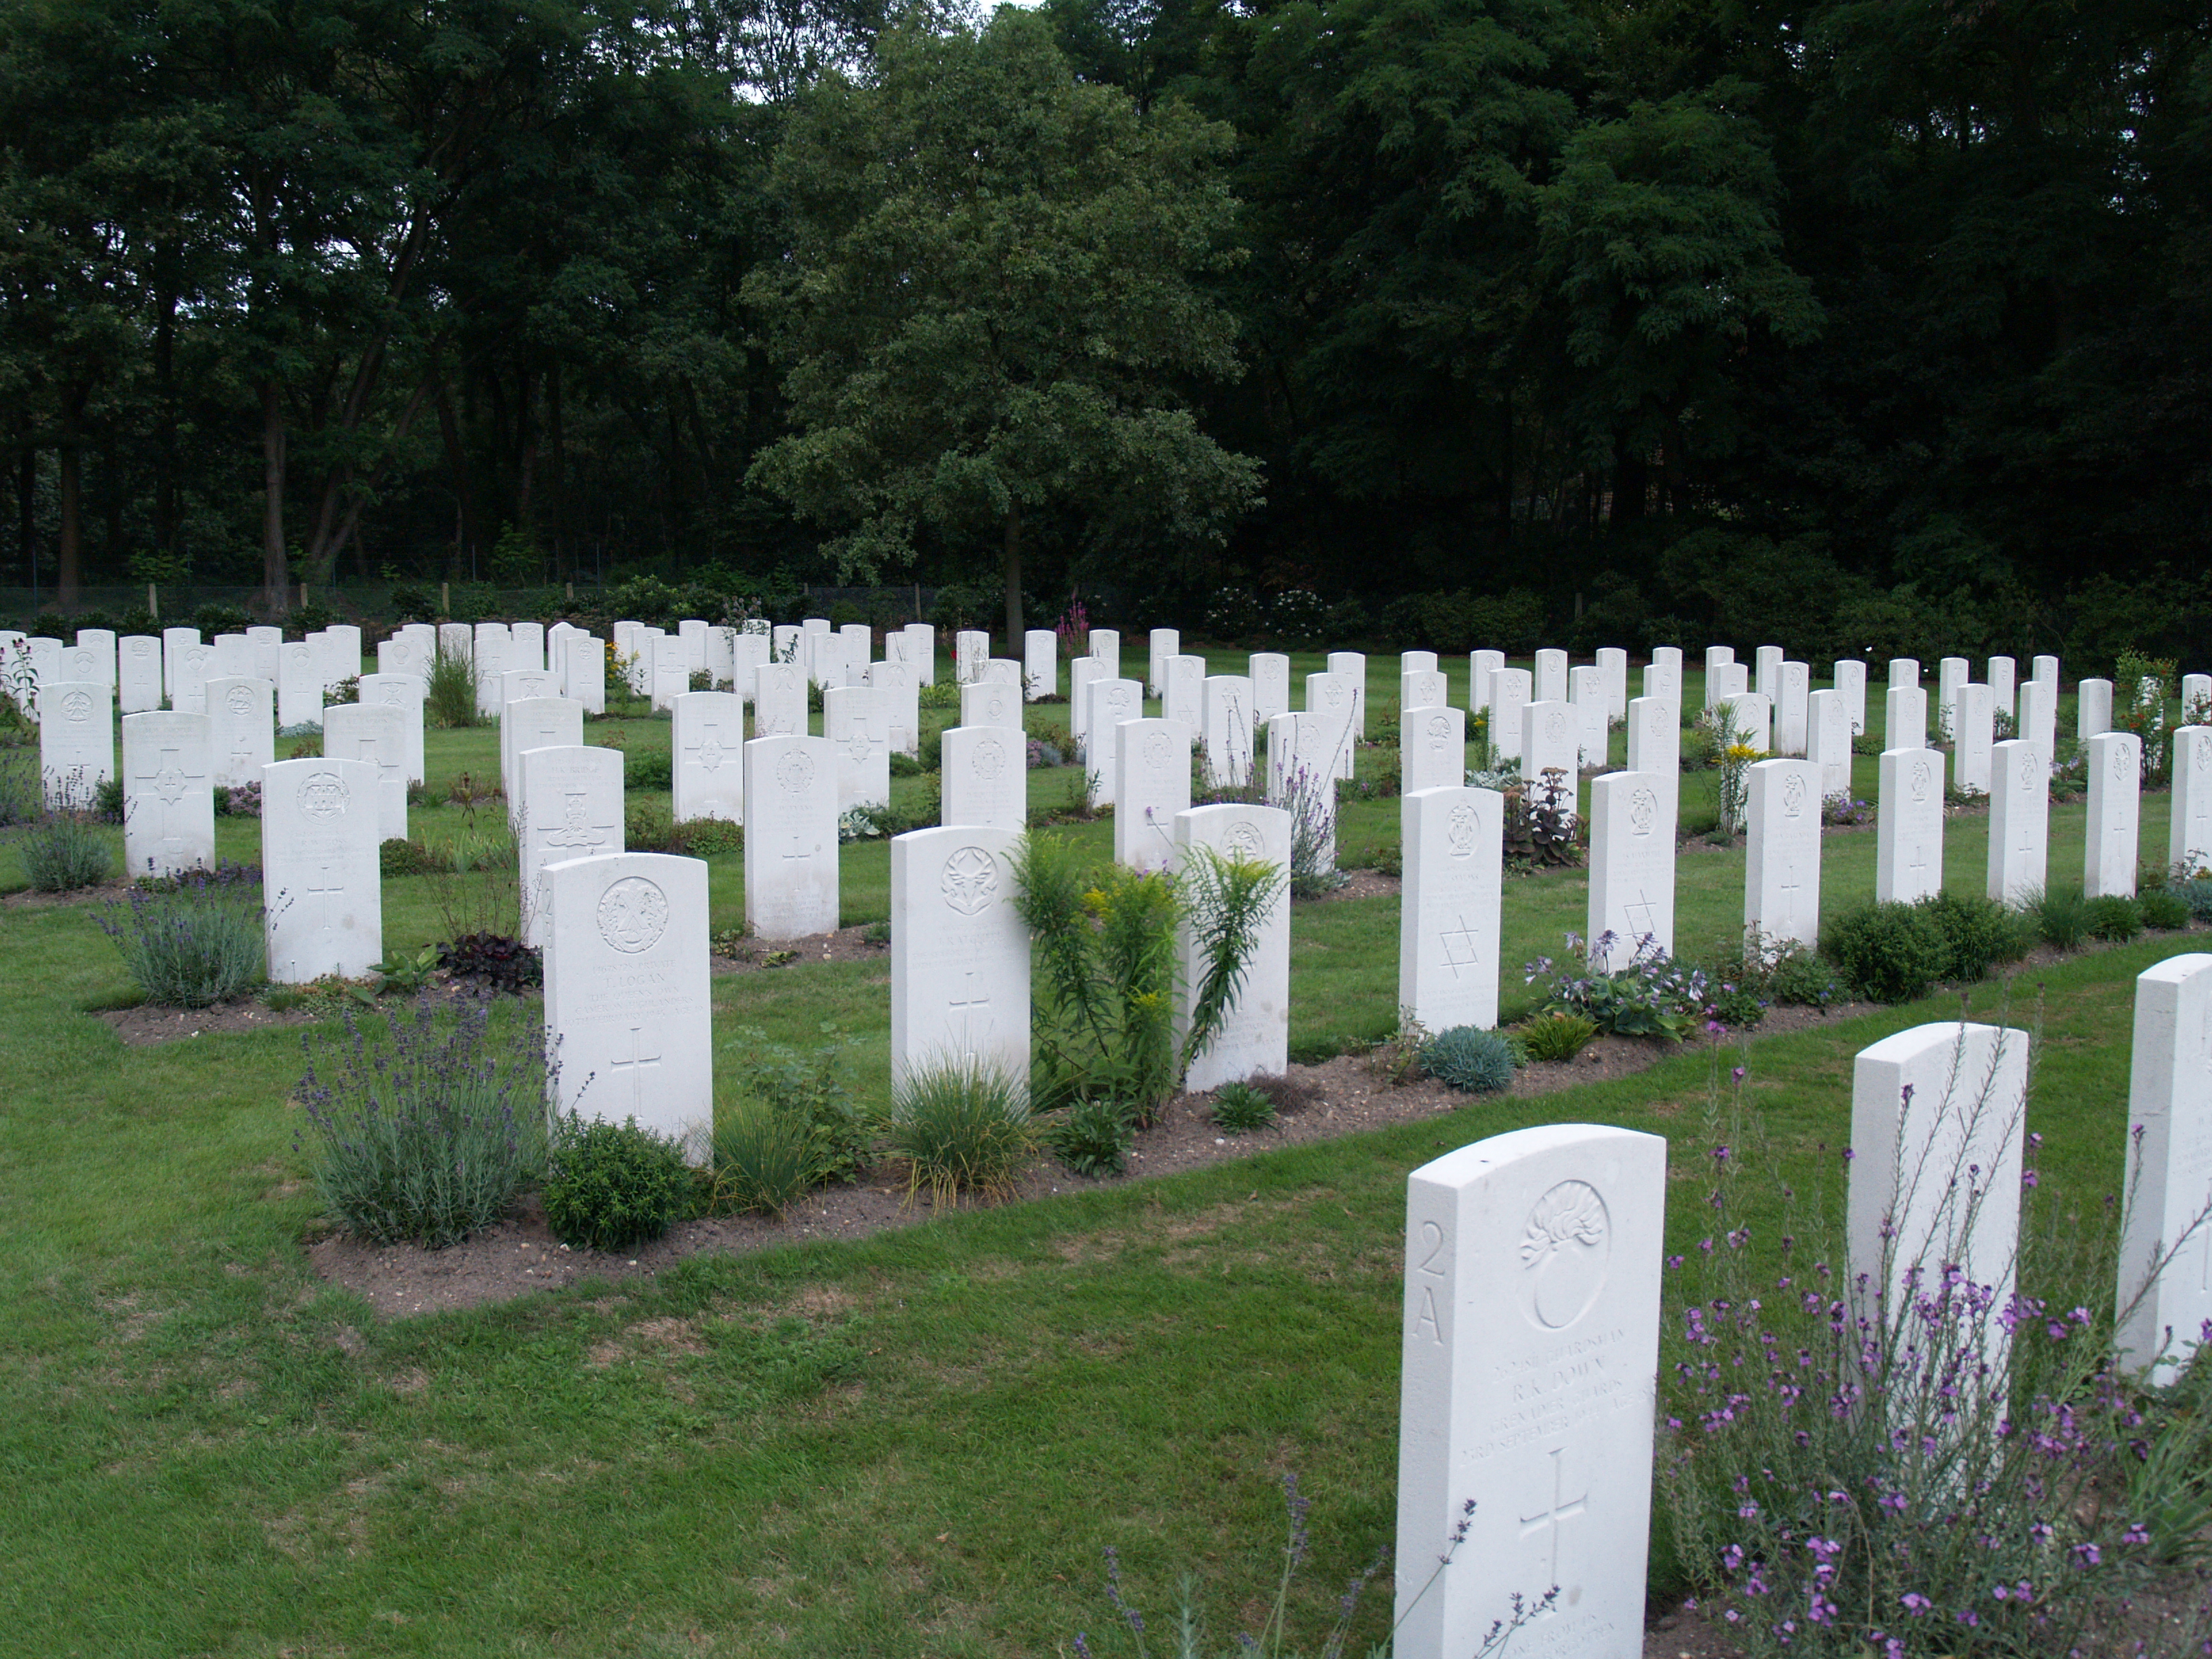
point(1642, 918)
point(1459, 945)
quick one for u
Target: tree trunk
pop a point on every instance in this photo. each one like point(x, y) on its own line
point(468, 533)
point(67, 554)
point(276, 584)
point(1013, 581)
point(165, 382)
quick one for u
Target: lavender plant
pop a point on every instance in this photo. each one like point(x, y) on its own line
point(65, 852)
point(430, 1131)
point(191, 940)
point(1852, 1473)
point(1309, 797)
point(1654, 996)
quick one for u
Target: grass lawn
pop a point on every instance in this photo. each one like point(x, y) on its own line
point(914, 1445)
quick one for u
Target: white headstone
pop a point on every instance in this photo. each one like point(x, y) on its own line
point(2093, 709)
point(321, 880)
point(706, 735)
point(2114, 764)
point(572, 808)
point(672, 670)
point(46, 659)
point(168, 793)
point(2002, 674)
point(1767, 663)
point(1904, 672)
point(242, 735)
point(300, 690)
point(1753, 715)
point(1184, 699)
point(1718, 657)
point(692, 630)
point(1083, 673)
point(853, 719)
point(971, 648)
point(1551, 741)
point(1936, 1114)
point(585, 681)
point(1655, 748)
point(1271, 685)
point(1301, 781)
point(784, 644)
point(1352, 665)
point(987, 702)
point(1416, 662)
point(517, 684)
point(101, 642)
point(1905, 718)
point(173, 641)
point(791, 836)
point(1509, 701)
point(1420, 688)
point(1225, 729)
point(721, 649)
point(1908, 858)
point(1551, 674)
point(1662, 675)
point(1452, 847)
point(458, 641)
point(628, 1010)
point(1613, 664)
point(1850, 682)
point(492, 653)
point(76, 742)
point(2189, 837)
point(1530, 1365)
point(396, 655)
point(960, 955)
point(2165, 1236)
point(232, 659)
point(1974, 729)
point(922, 651)
point(188, 694)
point(405, 693)
point(1331, 703)
point(1040, 664)
point(2038, 717)
point(534, 723)
point(525, 645)
point(374, 734)
point(1161, 643)
point(1782, 863)
point(269, 647)
point(1791, 712)
point(984, 776)
point(1631, 870)
point(780, 701)
point(1152, 784)
point(138, 671)
point(2020, 822)
point(1255, 1037)
point(1431, 748)
point(750, 650)
point(1587, 690)
point(1112, 702)
point(1950, 674)
point(1828, 740)
point(1480, 665)
point(2046, 670)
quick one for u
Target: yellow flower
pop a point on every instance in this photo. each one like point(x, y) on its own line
point(1741, 751)
point(1095, 902)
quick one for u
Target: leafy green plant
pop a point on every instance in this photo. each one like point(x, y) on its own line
point(705, 838)
point(2163, 909)
point(405, 975)
point(449, 696)
point(812, 1086)
point(1655, 995)
point(1556, 1036)
point(2114, 918)
point(428, 1130)
point(1239, 1108)
point(647, 826)
point(959, 1126)
point(1092, 1137)
point(765, 1156)
point(2061, 917)
point(648, 768)
point(192, 939)
point(65, 852)
point(612, 1185)
point(1798, 978)
point(1978, 934)
point(410, 858)
point(2193, 886)
point(1889, 951)
point(1469, 1059)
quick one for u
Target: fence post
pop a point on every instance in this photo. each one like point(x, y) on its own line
point(153, 603)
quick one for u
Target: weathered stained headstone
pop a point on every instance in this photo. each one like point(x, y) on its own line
point(321, 881)
point(1529, 1364)
point(1782, 862)
point(2020, 822)
point(1040, 664)
point(1974, 729)
point(1254, 1040)
point(2166, 1234)
point(405, 693)
point(628, 1015)
point(76, 742)
point(2189, 836)
point(1828, 740)
point(1150, 786)
point(138, 673)
point(2093, 709)
point(1631, 871)
point(1452, 850)
point(1550, 676)
point(572, 808)
point(1225, 729)
point(791, 836)
point(707, 737)
point(960, 955)
point(374, 734)
point(779, 701)
point(2114, 765)
point(853, 719)
point(168, 793)
point(1850, 682)
point(1936, 1116)
point(1908, 857)
point(984, 776)
point(1431, 748)
point(1271, 685)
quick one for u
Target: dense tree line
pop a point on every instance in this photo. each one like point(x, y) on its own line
point(1852, 323)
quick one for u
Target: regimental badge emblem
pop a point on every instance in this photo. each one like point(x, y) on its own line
point(970, 879)
point(632, 914)
point(1564, 1249)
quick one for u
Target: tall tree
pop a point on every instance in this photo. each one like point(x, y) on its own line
point(994, 293)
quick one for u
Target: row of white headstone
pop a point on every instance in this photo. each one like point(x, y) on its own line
point(1530, 1319)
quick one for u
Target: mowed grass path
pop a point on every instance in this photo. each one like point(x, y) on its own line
point(917, 1444)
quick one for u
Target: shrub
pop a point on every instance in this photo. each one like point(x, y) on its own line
point(107, 801)
point(1557, 1035)
point(809, 1086)
point(1469, 1059)
point(1889, 951)
point(194, 939)
point(1654, 996)
point(2114, 917)
point(449, 697)
point(237, 800)
point(649, 768)
point(960, 1126)
point(428, 1131)
point(66, 853)
point(2059, 917)
point(647, 826)
point(1978, 934)
point(1736, 1004)
point(766, 1157)
point(612, 1185)
point(705, 838)
point(1092, 1138)
point(1239, 1108)
point(1800, 979)
point(2164, 910)
point(409, 858)
point(498, 961)
point(2196, 891)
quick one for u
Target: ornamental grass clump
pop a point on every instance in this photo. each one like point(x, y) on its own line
point(960, 1126)
point(766, 1157)
point(192, 939)
point(449, 696)
point(1470, 1059)
point(1947, 1470)
point(428, 1130)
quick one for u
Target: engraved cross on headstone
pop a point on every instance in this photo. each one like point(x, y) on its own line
point(707, 750)
point(1563, 1508)
point(637, 1064)
point(970, 1007)
point(322, 895)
